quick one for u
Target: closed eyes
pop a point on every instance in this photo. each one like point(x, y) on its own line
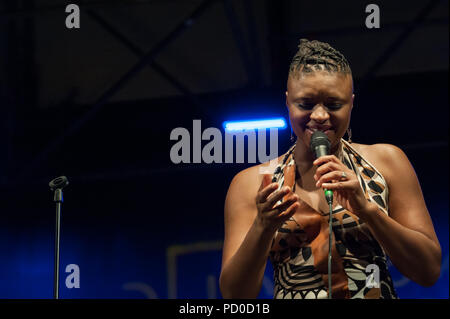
point(310, 106)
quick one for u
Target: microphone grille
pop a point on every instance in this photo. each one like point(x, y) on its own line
point(319, 138)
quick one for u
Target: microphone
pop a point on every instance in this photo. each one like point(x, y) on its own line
point(320, 146)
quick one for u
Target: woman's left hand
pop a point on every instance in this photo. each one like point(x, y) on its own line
point(332, 174)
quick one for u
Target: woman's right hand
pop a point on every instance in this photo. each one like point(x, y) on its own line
point(271, 216)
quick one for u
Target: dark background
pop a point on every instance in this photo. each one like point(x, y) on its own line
point(97, 104)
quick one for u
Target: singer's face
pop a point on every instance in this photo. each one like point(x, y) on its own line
point(320, 100)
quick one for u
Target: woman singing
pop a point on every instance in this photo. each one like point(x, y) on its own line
point(378, 209)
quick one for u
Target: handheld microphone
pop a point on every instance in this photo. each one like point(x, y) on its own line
point(320, 146)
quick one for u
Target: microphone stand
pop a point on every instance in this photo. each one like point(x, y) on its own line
point(57, 185)
point(58, 198)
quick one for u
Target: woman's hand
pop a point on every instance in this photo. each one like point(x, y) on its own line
point(271, 216)
point(332, 174)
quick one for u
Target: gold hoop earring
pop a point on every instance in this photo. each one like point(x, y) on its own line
point(292, 135)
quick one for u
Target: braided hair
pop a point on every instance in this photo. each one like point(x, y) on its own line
point(315, 56)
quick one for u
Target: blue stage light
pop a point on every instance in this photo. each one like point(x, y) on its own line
point(233, 126)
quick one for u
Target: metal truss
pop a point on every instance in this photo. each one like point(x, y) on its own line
point(250, 57)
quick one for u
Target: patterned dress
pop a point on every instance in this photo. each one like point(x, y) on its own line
point(299, 252)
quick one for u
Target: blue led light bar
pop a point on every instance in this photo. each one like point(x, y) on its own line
point(233, 126)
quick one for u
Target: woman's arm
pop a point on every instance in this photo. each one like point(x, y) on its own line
point(407, 235)
point(250, 224)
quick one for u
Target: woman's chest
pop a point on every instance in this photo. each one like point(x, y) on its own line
point(315, 199)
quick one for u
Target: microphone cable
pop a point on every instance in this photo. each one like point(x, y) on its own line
point(329, 198)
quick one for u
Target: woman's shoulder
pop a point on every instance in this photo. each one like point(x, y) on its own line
point(377, 152)
point(385, 157)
